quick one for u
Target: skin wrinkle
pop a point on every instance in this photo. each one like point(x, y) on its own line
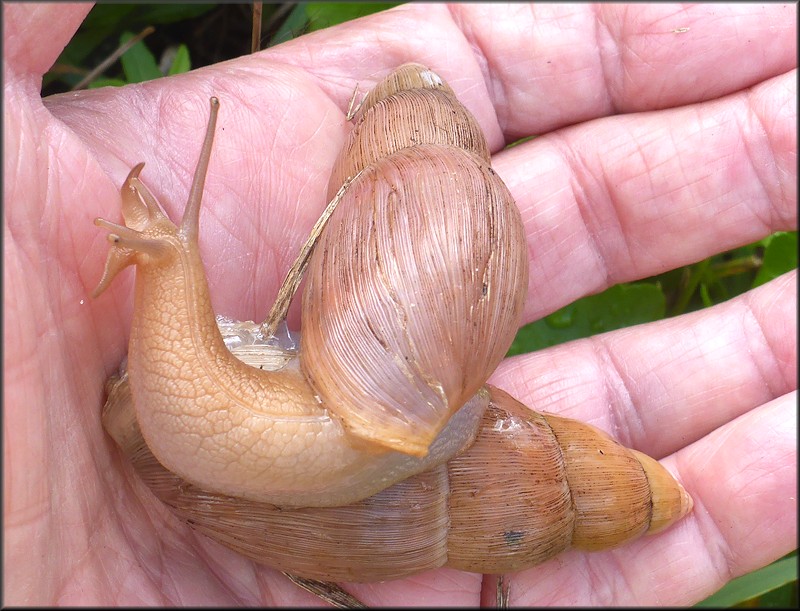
point(179, 169)
point(496, 89)
point(579, 198)
point(250, 250)
point(766, 223)
point(157, 515)
point(668, 21)
point(619, 226)
point(603, 58)
point(256, 250)
point(641, 143)
point(279, 252)
point(158, 112)
point(676, 187)
point(171, 571)
point(126, 489)
point(82, 565)
point(619, 584)
point(595, 587)
point(750, 315)
point(120, 587)
point(675, 139)
point(755, 120)
point(216, 568)
point(151, 564)
point(721, 555)
point(534, 244)
point(786, 108)
point(62, 177)
point(618, 394)
point(266, 597)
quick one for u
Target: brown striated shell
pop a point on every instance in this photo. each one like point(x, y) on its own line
point(415, 288)
point(407, 118)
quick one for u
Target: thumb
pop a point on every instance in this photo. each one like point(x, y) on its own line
point(35, 35)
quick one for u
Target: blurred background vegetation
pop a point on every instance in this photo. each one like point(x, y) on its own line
point(165, 39)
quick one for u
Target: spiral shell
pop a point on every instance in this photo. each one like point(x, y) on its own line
point(415, 289)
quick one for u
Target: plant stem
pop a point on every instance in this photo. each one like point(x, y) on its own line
point(698, 271)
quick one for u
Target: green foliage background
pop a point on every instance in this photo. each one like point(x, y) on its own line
point(182, 36)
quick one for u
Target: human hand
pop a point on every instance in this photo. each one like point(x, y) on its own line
point(604, 201)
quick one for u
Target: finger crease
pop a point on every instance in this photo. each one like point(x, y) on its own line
point(621, 405)
point(602, 58)
point(763, 340)
point(758, 169)
point(495, 88)
point(580, 176)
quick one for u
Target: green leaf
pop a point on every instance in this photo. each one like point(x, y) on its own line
point(520, 141)
point(102, 19)
point(754, 584)
point(294, 25)
point(325, 14)
point(705, 295)
point(780, 256)
point(181, 63)
point(138, 62)
point(91, 34)
point(107, 82)
point(620, 306)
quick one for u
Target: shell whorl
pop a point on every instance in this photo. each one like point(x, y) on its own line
point(415, 288)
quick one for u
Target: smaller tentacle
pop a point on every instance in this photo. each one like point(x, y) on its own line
point(126, 243)
point(153, 247)
point(139, 206)
point(117, 229)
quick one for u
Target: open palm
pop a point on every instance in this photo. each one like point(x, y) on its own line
point(699, 157)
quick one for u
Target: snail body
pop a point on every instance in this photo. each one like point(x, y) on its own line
point(381, 438)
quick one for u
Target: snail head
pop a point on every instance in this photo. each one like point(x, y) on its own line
point(148, 236)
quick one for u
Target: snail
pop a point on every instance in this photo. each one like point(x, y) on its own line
point(377, 450)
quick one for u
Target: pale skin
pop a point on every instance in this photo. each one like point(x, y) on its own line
point(713, 166)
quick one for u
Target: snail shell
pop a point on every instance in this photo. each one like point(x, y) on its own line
point(414, 293)
point(531, 486)
point(415, 288)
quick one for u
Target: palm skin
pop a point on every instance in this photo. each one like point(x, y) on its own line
point(604, 199)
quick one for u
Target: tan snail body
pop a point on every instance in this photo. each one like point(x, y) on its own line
point(373, 455)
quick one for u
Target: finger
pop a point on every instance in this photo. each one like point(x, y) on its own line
point(743, 478)
point(544, 66)
point(634, 196)
point(659, 386)
point(35, 34)
point(589, 61)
